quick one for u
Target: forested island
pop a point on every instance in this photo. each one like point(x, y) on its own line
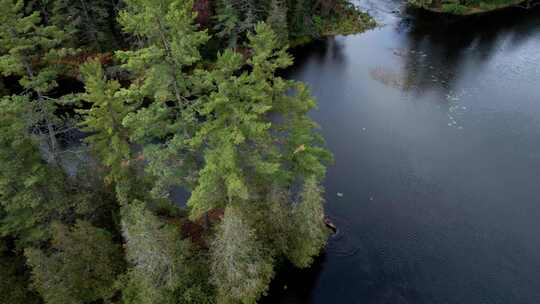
point(470, 7)
point(108, 106)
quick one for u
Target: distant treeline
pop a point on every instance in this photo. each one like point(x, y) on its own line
point(469, 7)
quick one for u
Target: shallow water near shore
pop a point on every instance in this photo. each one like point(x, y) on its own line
point(435, 128)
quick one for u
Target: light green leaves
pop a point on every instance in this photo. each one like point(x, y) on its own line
point(241, 268)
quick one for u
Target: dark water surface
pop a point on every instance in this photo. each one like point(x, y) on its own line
point(435, 128)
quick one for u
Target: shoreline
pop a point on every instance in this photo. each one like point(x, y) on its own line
point(456, 9)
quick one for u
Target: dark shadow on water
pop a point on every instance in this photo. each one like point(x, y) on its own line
point(293, 285)
point(319, 51)
point(446, 44)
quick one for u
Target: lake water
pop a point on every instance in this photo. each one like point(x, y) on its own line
point(435, 128)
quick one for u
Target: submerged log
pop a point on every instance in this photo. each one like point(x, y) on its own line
point(328, 222)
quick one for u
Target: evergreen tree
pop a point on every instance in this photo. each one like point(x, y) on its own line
point(170, 46)
point(250, 12)
point(109, 138)
point(80, 267)
point(309, 233)
point(277, 19)
point(231, 131)
point(86, 22)
point(31, 192)
point(31, 52)
point(227, 23)
point(234, 120)
point(163, 68)
point(236, 18)
point(160, 269)
point(256, 134)
point(109, 106)
point(241, 269)
point(258, 144)
point(300, 19)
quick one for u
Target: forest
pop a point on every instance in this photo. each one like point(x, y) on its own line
point(107, 107)
point(470, 7)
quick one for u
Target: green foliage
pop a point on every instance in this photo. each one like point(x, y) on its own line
point(161, 66)
point(350, 21)
point(109, 106)
point(241, 269)
point(463, 7)
point(170, 45)
point(32, 53)
point(293, 21)
point(454, 8)
point(162, 269)
point(227, 20)
point(31, 192)
point(239, 137)
point(247, 115)
point(421, 3)
point(309, 233)
point(226, 127)
point(27, 42)
point(86, 22)
point(80, 267)
point(299, 19)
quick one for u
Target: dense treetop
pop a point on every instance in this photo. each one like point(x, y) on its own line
point(106, 107)
point(468, 7)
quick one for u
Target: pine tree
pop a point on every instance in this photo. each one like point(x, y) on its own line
point(108, 137)
point(258, 144)
point(301, 22)
point(103, 121)
point(164, 71)
point(31, 51)
point(277, 19)
point(245, 150)
point(31, 192)
point(241, 269)
point(86, 22)
point(234, 135)
point(81, 266)
point(250, 12)
point(158, 257)
point(170, 46)
point(227, 23)
point(301, 148)
point(309, 233)
point(236, 18)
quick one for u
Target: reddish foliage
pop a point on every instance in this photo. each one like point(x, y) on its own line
point(103, 58)
point(204, 11)
point(195, 229)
